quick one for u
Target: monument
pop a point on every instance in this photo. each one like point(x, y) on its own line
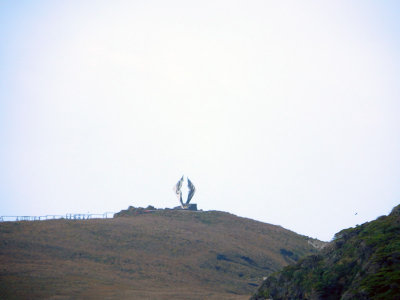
point(191, 191)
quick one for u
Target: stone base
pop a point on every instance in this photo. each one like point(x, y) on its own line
point(189, 207)
point(192, 206)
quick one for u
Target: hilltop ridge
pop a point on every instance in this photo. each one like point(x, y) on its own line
point(161, 254)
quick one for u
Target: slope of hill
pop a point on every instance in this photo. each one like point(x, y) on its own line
point(361, 263)
point(165, 254)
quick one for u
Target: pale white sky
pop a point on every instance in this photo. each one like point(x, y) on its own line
point(280, 111)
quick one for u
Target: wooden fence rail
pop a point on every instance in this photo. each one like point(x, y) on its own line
point(105, 215)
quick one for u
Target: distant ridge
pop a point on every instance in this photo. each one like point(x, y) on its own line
point(144, 254)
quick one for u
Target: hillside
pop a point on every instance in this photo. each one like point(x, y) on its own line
point(361, 263)
point(163, 254)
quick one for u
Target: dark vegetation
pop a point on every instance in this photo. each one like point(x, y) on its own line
point(360, 263)
point(143, 254)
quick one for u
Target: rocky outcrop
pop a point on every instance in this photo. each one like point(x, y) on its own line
point(134, 211)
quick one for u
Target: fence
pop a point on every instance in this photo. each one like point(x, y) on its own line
point(105, 215)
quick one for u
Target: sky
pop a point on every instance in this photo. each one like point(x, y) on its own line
point(285, 112)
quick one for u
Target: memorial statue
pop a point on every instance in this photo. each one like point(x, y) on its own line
point(178, 192)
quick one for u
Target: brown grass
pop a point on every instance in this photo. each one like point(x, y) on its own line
point(164, 255)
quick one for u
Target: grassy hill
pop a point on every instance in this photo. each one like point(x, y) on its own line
point(165, 254)
point(361, 263)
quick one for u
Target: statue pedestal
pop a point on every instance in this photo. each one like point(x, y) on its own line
point(192, 206)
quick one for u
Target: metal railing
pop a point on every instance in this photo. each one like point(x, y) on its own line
point(69, 216)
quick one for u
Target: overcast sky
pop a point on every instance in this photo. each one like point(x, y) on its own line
point(285, 112)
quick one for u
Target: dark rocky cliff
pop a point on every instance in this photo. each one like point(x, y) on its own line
point(360, 263)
